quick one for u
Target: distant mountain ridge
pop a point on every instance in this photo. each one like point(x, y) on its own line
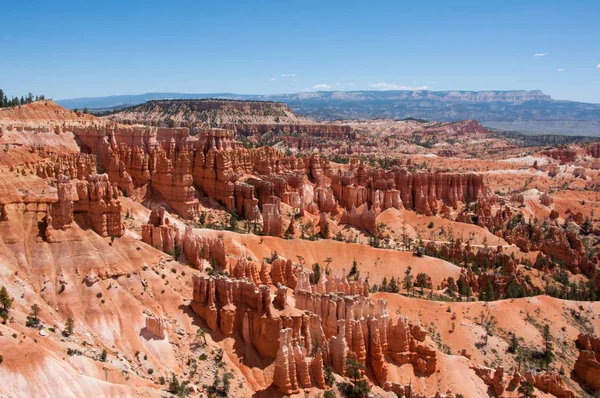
point(512, 96)
point(519, 110)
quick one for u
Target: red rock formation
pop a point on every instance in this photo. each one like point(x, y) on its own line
point(406, 391)
point(546, 199)
point(283, 271)
point(594, 150)
point(172, 177)
point(247, 269)
point(272, 220)
point(60, 214)
point(564, 245)
point(365, 220)
point(156, 326)
point(378, 363)
point(587, 366)
point(549, 382)
point(73, 165)
point(323, 328)
point(492, 378)
point(285, 364)
point(159, 232)
point(197, 248)
point(181, 167)
point(564, 155)
point(317, 367)
point(99, 206)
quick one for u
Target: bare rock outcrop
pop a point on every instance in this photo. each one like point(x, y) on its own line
point(321, 329)
point(60, 214)
point(549, 382)
point(160, 233)
point(587, 366)
point(99, 206)
point(198, 248)
point(156, 326)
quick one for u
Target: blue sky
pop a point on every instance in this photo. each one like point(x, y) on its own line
point(67, 49)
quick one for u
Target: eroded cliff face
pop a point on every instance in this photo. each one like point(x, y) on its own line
point(587, 366)
point(256, 182)
point(309, 327)
point(201, 251)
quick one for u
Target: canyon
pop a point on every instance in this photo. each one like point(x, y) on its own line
point(250, 251)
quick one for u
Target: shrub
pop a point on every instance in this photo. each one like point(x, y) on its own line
point(5, 304)
point(33, 319)
point(177, 388)
point(329, 378)
point(69, 327)
point(71, 352)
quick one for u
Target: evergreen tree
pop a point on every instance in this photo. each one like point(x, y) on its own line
point(393, 287)
point(33, 319)
point(316, 274)
point(329, 377)
point(384, 285)
point(490, 294)
point(451, 286)
point(548, 347)
point(422, 281)
point(526, 390)
point(354, 273)
point(5, 303)
point(408, 279)
point(514, 344)
point(359, 387)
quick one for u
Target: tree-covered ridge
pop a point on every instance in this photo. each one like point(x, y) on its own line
point(5, 102)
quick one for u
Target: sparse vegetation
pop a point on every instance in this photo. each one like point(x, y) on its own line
point(5, 304)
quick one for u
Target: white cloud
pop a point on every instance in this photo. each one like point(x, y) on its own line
point(326, 87)
point(352, 84)
point(432, 82)
point(598, 66)
point(560, 70)
point(394, 86)
point(540, 54)
point(288, 75)
point(273, 79)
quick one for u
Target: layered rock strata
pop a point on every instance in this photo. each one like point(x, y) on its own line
point(321, 329)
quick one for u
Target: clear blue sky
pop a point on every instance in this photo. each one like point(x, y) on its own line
point(67, 49)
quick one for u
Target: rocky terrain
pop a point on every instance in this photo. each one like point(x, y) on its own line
point(232, 248)
point(531, 112)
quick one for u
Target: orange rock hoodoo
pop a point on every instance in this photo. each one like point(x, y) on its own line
point(163, 235)
point(182, 168)
point(587, 366)
point(96, 204)
point(322, 328)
